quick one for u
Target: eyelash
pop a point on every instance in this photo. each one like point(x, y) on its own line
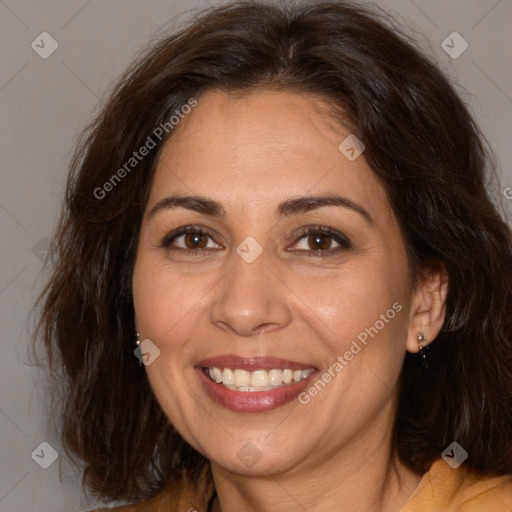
point(344, 242)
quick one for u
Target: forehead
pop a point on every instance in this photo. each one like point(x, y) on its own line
point(256, 126)
point(265, 144)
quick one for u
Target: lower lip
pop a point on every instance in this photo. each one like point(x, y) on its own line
point(252, 401)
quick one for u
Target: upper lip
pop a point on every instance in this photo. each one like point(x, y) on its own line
point(252, 363)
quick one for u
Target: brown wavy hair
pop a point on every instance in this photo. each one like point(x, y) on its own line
point(422, 143)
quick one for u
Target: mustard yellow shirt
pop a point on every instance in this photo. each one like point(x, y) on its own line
point(442, 489)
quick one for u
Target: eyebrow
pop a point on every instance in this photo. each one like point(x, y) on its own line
point(293, 206)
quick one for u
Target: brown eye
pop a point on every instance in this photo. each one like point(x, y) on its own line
point(189, 238)
point(195, 240)
point(319, 241)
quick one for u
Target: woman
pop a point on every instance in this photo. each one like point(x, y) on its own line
point(281, 282)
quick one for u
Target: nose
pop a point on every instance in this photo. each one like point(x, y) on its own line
point(251, 300)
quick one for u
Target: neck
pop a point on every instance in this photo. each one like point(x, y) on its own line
point(364, 491)
point(362, 477)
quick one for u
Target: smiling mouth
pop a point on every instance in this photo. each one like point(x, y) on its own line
point(258, 380)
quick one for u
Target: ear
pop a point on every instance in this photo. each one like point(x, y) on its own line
point(428, 308)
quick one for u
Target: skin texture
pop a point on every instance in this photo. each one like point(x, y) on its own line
point(251, 152)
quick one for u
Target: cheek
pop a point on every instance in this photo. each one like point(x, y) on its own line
point(360, 315)
point(171, 306)
point(161, 298)
point(352, 298)
point(167, 308)
point(360, 330)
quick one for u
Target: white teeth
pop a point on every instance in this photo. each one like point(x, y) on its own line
point(275, 377)
point(242, 378)
point(228, 377)
point(217, 375)
point(258, 380)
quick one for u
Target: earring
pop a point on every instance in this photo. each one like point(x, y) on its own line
point(423, 349)
point(137, 342)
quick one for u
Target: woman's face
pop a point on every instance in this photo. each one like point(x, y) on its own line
point(306, 330)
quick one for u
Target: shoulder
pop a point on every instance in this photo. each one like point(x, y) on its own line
point(459, 490)
point(178, 496)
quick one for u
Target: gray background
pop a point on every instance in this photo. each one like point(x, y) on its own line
point(46, 102)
